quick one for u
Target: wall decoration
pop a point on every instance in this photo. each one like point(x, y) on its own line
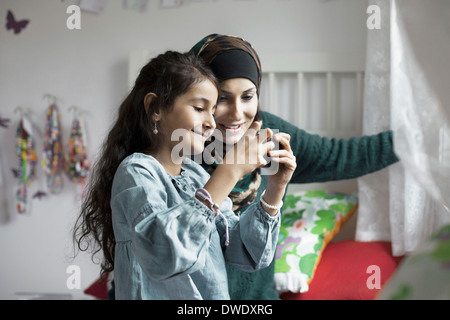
point(77, 164)
point(13, 24)
point(26, 156)
point(4, 123)
point(171, 3)
point(15, 172)
point(39, 195)
point(94, 6)
point(3, 188)
point(52, 157)
point(138, 5)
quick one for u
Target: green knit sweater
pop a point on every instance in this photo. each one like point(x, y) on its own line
point(319, 159)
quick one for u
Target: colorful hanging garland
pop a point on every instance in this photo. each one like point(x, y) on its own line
point(52, 158)
point(27, 159)
point(77, 163)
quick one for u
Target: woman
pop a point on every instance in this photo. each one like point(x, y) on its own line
point(237, 66)
point(164, 225)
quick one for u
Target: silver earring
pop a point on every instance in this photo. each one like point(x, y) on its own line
point(155, 130)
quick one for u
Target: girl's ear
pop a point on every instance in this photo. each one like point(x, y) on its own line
point(156, 117)
point(148, 100)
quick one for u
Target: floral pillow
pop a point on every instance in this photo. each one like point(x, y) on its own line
point(310, 220)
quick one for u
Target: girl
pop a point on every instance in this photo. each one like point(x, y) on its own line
point(236, 64)
point(154, 212)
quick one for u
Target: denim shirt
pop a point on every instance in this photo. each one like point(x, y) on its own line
point(169, 245)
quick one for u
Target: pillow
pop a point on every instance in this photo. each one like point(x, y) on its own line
point(99, 289)
point(425, 272)
point(346, 272)
point(310, 220)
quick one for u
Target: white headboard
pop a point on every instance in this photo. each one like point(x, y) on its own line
point(320, 92)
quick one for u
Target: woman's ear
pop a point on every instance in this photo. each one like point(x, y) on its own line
point(148, 100)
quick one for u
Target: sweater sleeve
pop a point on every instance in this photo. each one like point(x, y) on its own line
point(321, 159)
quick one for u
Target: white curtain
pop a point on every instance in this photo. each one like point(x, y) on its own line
point(407, 89)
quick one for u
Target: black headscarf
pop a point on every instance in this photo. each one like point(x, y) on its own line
point(232, 57)
point(229, 57)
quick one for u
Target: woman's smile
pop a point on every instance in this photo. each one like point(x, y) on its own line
point(236, 108)
point(231, 129)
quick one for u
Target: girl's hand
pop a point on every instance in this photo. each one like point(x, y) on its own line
point(248, 153)
point(244, 157)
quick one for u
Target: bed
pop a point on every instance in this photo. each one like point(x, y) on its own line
point(316, 257)
point(310, 263)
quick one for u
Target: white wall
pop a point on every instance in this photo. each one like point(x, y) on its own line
point(88, 68)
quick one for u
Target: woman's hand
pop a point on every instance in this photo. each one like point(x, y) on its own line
point(286, 159)
point(276, 183)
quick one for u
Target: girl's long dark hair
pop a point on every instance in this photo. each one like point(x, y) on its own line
point(169, 75)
